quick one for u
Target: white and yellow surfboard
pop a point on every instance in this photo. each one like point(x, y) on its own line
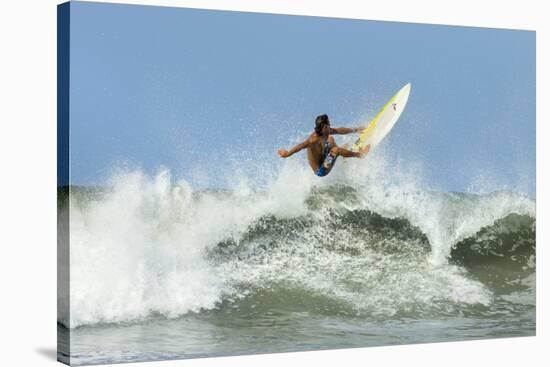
point(383, 122)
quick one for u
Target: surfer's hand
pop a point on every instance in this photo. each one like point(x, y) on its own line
point(283, 153)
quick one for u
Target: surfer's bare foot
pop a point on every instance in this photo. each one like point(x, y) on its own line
point(364, 151)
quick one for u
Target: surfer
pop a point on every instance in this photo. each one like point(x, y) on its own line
point(322, 150)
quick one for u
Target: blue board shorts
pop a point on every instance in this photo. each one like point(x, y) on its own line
point(327, 165)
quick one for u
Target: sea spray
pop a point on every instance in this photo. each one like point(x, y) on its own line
point(365, 241)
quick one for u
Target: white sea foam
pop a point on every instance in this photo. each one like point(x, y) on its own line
point(141, 248)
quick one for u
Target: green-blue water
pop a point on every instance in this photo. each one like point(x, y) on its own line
point(161, 272)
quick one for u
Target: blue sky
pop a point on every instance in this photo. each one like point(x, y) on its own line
point(180, 88)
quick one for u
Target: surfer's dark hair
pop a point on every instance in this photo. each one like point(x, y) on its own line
point(320, 122)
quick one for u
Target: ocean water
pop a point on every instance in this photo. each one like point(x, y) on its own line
point(366, 257)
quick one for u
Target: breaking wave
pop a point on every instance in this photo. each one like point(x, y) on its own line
point(353, 244)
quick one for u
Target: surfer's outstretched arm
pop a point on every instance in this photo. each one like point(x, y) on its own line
point(287, 153)
point(345, 130)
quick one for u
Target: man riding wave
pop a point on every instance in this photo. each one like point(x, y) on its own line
point(322, 150)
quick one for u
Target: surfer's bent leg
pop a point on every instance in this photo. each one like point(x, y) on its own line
point(345, 153)
point(335, 152)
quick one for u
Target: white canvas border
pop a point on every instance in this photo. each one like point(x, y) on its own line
point(27, 195)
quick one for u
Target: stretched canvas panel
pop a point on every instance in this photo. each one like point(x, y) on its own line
point(236, 183)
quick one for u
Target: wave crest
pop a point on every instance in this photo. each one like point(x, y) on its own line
point(143, 246)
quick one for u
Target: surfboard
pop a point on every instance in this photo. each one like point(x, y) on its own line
point(383, 122)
